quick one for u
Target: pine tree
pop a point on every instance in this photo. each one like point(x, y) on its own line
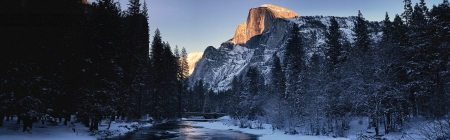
point(334, 50)
point(334, 58)
point(183, 71)
point(199, 96)
point(157, 69)
point(424, 8)
point(440, 29)
point(432, 63)
point(361, 34)
point(387, 29)
point(408, 11)
point(144, 10)
point(397, 68)
point(252, 77)
point(134, 7)
point(169, 83)
point(418, 61)
point(399, 36)
point(294, 61)
point(157, 50)
point(176, 52)
point(100, 61)
point(278, 77)
point(184, 64)
point(294, 53)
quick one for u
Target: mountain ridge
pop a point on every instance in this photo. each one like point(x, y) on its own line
point(219, 66)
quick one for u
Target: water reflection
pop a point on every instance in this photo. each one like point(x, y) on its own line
point(199, 133)
point(183, 131)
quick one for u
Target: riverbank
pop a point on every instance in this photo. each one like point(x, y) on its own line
point(10, 130)
point(416, 129)
point(225, 123)
point(264, 134)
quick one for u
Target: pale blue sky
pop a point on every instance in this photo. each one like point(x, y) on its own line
point(196, 24)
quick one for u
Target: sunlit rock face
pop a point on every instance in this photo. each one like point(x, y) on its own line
point(192, 59)
point(259, 20)
point(85, 2)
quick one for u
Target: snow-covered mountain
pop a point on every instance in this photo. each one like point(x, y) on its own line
point(192, 59)
point(218, 66)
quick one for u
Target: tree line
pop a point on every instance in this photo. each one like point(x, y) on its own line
point(69, 57)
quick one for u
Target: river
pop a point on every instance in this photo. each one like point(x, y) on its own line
point(184, 131)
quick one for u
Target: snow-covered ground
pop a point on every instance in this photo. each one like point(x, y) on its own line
point(226, 123)
point(11, 131)
point(357, 127)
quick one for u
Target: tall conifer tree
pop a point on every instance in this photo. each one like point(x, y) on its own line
point(361, 36)
point(334, 51)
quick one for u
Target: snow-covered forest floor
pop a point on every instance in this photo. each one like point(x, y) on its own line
point(11, 131)
point(265, 134)
point(415, 129)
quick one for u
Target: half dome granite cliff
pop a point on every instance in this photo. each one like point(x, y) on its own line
point(259, 20)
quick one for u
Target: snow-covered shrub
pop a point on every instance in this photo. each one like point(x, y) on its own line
point(94, 132)
point(360, 121)
point(245, 123)
point(14, 127)
point(291, 131)
point(135, 126)
point(233, 122)
point(342, 133)
point(435, 130)
point(259, 124)
point(362, 136)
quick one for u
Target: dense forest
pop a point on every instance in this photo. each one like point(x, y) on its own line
point(393, 71)
point(71, 57)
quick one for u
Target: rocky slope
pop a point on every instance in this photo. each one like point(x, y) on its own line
point(218, 66)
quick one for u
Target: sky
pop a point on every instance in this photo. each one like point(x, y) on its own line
point(197, 24)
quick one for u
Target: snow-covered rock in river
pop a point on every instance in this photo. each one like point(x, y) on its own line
point(219, 65)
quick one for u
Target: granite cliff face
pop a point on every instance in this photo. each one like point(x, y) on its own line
point(85, 2)
point(259, 20)
point(218, 66)
point(266, 29)
point(192, 59)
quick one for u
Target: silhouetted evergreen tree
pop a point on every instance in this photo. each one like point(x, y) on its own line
point(408, 11)
point(294, 61)
point(334, 50)
point(361, 36)
point(165, 90)
point(134, 7)
point(439, 46)
point(278, 77)
point(387, 30)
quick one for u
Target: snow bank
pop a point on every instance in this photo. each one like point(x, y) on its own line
point(358, 126)
point(265, 134)
point(11, 131)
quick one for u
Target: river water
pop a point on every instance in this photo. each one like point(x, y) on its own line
point(184, 131)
